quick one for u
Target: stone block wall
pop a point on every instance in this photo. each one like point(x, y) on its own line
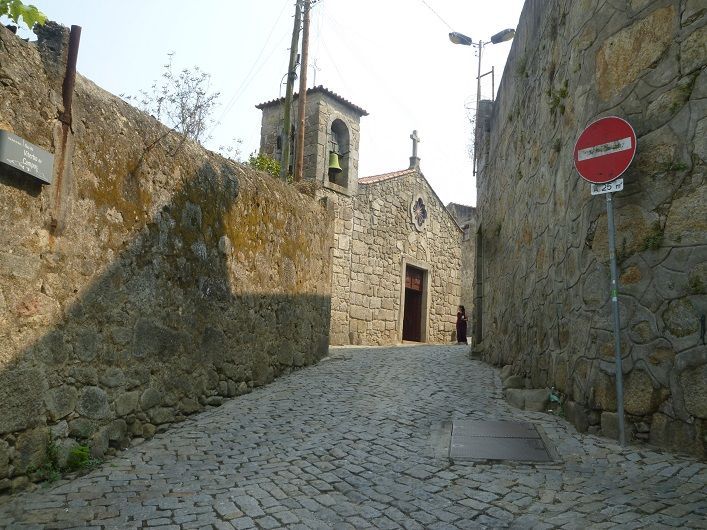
point(270, 129)
point(546, 304)
point(465, 216)
point(150, 280)
point(342, 208)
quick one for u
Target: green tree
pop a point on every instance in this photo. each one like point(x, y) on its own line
point(264, 163)
point(16, 10)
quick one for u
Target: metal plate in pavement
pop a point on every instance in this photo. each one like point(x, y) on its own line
point(497, 440)
point(495, 429)
point(480, 448)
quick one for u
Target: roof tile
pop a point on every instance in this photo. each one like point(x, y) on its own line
point(386, 176)
point(315, 90)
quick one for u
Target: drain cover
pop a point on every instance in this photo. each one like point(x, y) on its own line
point(497, 440)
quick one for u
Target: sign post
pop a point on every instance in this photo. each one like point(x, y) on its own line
point(616, 317)
point(602, 153)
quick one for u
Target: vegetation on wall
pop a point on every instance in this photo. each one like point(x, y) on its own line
point(264, 163)
point(181, 100)
point(20, 13)
point(232, 150)
point(521, 69)
point(77, 459)
point(556, 98)
point(654, 239)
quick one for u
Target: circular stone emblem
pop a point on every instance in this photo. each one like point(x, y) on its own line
point(418, 212)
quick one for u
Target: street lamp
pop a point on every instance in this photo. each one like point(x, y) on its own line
point(460, 38)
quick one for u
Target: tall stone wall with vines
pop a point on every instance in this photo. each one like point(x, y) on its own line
point(546, 307)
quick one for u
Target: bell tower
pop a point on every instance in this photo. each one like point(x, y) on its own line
point(332, 131)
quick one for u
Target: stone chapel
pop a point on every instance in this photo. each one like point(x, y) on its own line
point(396, 262)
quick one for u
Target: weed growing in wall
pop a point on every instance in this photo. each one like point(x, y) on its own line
point(672, 166)
point(522, 66)
point(49, 469)
point(557, 98)
point(80, 459)
point(654, 239)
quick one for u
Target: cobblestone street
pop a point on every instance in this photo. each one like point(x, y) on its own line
point(346, 444)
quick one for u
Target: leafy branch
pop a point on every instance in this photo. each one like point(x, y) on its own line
point(16, 10)
point(265, 163)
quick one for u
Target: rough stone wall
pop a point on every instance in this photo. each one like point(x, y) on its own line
point(151, 280)
point(342, 206)
point(465, 216)
point(383, 236)
point(468, 269)
point(270, 128)
point(545, 267)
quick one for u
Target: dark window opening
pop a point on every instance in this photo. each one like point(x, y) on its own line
point(338, 159)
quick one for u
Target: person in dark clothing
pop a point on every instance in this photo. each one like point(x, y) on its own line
point(461, 325)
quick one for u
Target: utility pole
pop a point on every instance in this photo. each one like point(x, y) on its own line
point(299, 159)
point(291, 74)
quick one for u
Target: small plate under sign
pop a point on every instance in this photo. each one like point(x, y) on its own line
point(608, 187)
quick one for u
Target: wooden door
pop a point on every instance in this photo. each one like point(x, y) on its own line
point(412, 312)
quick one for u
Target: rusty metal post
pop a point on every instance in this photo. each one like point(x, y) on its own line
point(70, 77)
point(63, 141)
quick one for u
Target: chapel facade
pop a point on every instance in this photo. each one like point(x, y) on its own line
point(396, 261)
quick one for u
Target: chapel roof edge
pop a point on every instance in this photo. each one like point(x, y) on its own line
point(319, 89)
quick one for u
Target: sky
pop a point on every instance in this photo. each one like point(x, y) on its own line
point(391, 57)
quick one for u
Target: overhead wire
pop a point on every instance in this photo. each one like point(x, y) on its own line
point(336, 68)
point(437, 14)
point(441, 19)
point(341, 34)
point(382, 85)
point(318, 13)
point(250, 76)
point(367, 65)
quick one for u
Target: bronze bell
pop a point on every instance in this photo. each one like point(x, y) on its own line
point(334, 166)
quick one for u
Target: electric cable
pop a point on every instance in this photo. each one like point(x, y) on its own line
point(395, 100)
point(437, 14)
point(250, 76)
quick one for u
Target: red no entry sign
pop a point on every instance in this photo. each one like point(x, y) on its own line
point(604, 150)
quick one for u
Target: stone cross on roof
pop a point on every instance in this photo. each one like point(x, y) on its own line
point(414, 160)
point(415, 139)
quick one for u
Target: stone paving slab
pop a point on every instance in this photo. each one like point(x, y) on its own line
point(347, 444)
